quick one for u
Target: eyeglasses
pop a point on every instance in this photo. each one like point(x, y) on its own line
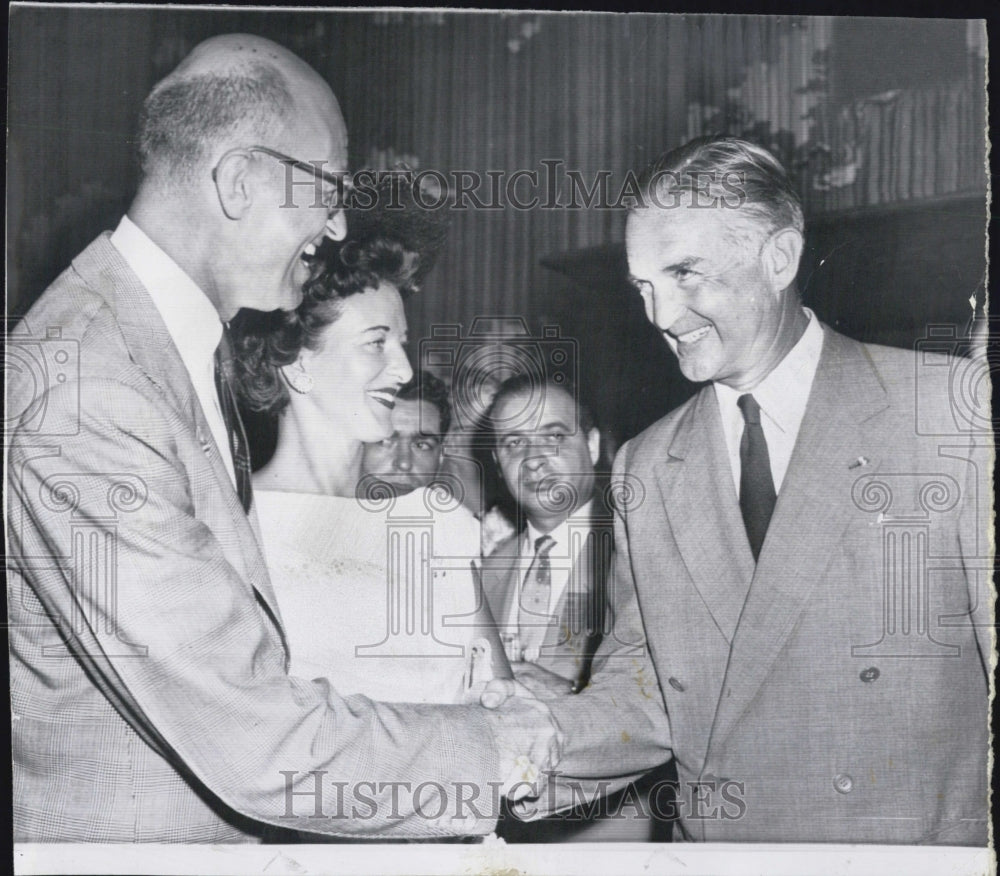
point(334, 198)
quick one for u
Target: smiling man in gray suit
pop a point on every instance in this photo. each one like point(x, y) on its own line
point(149, 685)
point(811, 560)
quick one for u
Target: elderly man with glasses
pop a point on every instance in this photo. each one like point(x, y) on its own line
point(149, 689)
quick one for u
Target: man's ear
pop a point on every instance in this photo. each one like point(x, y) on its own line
point(233, 184)
point(780, 257)
point(594, 444)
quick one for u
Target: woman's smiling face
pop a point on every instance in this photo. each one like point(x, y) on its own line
point(361, 363)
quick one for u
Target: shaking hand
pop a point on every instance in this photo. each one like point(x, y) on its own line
point(527, 736)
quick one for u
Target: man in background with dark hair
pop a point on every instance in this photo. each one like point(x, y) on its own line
point(149, 682)
point(411, 456)
point(546, 447)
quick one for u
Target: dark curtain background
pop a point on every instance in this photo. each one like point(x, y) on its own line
point(865, 113)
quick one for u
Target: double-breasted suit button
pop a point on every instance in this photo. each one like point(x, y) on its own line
point(843, 783)
point(870, 674)
point(675, 684)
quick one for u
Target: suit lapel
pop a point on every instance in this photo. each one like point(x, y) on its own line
point(813, 509)
point(500, 580)
point(569, 610)
point(577, 587)
point(702, 507)
point(152, 349)
point(582, 612)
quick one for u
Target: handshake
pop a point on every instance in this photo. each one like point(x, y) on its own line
point(527, 735)
point(528, 738)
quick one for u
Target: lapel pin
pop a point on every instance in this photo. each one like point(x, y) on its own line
point(859, 462)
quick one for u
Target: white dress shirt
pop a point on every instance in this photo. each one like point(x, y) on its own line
point(782, 397)
point(190, 318)
point(560, 561)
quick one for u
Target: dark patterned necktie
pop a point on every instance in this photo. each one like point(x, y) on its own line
point(231, 415)
point(757, 496)
point(533, 610)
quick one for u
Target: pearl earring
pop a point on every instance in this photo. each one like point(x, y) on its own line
point(298, 378)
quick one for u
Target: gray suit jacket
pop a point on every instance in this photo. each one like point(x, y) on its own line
point(836, 692)
point(148, 681)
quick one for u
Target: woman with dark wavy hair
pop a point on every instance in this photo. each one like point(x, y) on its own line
point(340, 552)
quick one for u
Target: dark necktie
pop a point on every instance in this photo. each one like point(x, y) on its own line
point(533, 610)
point(231, 416)
point(757, 496)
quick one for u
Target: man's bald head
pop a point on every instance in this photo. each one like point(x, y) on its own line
point(224, 53)
point(232, 90)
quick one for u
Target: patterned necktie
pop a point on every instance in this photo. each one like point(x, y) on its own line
point(757, 496)
point(231, 415)
point(533, 610)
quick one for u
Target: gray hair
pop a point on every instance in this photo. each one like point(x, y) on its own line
point(746, 175)
point(185, 115)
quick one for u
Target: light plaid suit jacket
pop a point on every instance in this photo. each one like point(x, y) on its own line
point(148, 685)
point(836, 692)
